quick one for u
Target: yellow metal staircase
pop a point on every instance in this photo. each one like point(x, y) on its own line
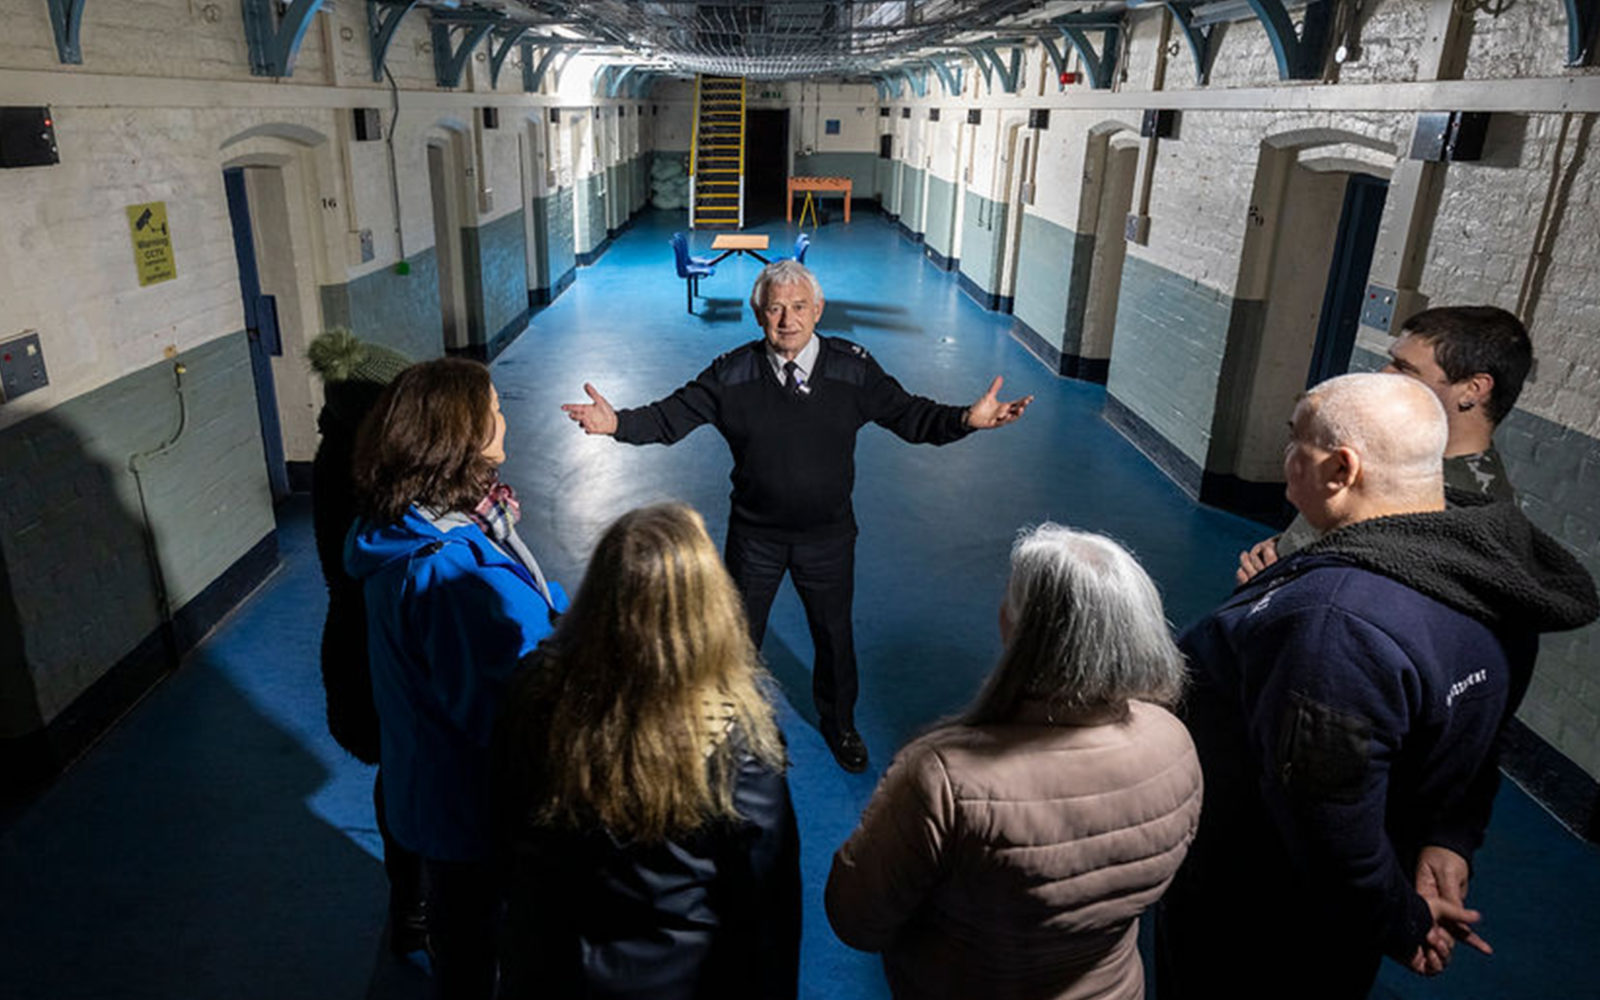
point(716, 160)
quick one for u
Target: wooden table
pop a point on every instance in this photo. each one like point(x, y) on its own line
point(732, 243)
point(819, 185)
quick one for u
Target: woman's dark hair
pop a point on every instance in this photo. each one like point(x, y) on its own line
point(423, 441)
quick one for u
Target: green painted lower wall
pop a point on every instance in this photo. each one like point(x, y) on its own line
point(591, 193)
point(399, 311)
point(552, 224)
point(1166, 354)
point(911, 199)
point(76, 586)
point(495, 264)
point(861, 168)
point(982, 229)
point(940, 231)
point(1053, 282)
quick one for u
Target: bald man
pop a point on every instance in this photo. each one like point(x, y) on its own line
point(1345, 705)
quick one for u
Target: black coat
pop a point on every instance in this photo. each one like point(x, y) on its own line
point(711, 915)
point(346, 675)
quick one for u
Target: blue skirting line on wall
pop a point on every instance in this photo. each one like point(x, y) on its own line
point(939, 260)
point(906, 232)
point(29, 763)
point(989, 300)
point(587, 258)
point(1551, 777)
point(1180, 468)
point(1070, 365)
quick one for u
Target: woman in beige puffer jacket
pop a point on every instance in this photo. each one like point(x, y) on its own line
point(1008, 854)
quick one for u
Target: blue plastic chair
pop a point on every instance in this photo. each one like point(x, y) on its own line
point(690, 269)
point(802, 243)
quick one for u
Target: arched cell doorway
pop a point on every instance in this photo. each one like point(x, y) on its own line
point(1110, 166)
point(269, 179)
point(1315, 209)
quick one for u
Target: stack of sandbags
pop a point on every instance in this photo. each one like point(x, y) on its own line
point(669, 182)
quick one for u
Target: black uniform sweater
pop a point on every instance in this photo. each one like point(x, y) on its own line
point(793, 454)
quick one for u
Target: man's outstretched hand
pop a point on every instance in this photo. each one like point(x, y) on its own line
point(989, 412)
point(596, 417)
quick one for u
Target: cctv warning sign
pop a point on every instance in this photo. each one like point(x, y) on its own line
point(152, 244)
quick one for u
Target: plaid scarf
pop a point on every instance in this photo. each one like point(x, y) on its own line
point(498, 512)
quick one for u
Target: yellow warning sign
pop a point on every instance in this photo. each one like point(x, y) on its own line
point(152, 244)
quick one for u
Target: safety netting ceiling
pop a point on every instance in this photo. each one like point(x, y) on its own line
point(787, 38)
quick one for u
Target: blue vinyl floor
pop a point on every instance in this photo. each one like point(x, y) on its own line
point(218, 844)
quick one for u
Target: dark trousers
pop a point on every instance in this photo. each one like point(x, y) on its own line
point(402, 866)
point(824, 575)
point(463, 925)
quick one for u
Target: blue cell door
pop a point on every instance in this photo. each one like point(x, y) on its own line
point(1347, 277)
point(261, 328)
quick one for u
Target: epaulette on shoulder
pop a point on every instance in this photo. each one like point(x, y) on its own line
point(850, 348)
point(740, 365)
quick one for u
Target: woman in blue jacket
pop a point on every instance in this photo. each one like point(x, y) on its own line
point(640, 789)
point(454, 600)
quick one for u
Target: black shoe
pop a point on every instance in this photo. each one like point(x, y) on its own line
point(847, 748)
point(408, 931)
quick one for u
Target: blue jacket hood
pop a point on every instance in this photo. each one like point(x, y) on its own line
point(369, 548)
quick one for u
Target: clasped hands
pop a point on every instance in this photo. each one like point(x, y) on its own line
point(1442, 883)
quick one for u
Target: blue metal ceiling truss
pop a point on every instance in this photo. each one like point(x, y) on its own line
point(1198, 37)
point(917, 81)
point(888, 87)
point(500, 46)
point(533, 76)
point(275, 38)
point(449, 57)
point(66, 17)
point(949, 75)
point(1583, 31)
point(1099, 65)
point(1299, 56)
point(987, 56)
point(383, 18)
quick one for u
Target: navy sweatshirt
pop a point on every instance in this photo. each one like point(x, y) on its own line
point(794, 463)
point(1346, 705)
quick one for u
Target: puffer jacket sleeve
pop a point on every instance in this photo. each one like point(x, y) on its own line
point(885, 871)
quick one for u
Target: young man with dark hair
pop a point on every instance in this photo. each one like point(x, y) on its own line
point(1475, 359)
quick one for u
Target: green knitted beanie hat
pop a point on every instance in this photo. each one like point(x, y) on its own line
point(338, 355)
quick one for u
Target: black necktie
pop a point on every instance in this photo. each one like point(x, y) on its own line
point(791, 381)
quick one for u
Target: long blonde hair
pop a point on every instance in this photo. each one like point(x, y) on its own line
point(624, 719)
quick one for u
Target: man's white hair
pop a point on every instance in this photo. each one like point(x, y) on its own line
point(783, 272)
point(1395, 423)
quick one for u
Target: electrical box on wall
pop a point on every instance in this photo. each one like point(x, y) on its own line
point(974, 116)
point(368, 124)
point(1137, 229)
point(27, 138)
point(1159, 123)
point(1039, 118)
point(21, 366)
point(933, 114)
point(1450, 136)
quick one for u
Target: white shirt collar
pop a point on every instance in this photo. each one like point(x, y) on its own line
point(804, 361)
